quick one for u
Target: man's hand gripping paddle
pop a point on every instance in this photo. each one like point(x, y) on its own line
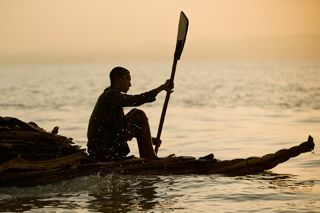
point(182, 35)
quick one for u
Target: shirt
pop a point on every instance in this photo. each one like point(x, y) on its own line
point(107, 122)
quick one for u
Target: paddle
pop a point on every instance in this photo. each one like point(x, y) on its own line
point(182, 34)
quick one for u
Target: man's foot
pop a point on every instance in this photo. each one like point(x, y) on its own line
point(157, 158)
point(171, 156)
point(168, 157)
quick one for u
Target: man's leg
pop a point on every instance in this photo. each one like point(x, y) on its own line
point(137, 126)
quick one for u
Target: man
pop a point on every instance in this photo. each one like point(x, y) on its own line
point(109, 128)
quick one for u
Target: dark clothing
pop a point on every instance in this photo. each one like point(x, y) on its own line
point(107, 134)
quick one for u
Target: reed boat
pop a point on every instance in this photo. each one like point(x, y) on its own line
point(30, 156)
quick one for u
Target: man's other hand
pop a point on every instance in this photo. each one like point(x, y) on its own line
point(156, 142)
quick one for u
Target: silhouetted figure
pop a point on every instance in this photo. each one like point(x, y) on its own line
point(109, 128)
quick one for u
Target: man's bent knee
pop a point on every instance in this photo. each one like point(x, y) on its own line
point(137, 114)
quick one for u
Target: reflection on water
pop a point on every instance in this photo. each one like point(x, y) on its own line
point(117, 193)
point(285, 182)
point(123, 194)
point(112, 193)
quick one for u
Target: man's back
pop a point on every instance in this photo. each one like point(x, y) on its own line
point(107, 116)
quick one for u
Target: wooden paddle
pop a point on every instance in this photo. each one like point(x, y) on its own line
point(182, 35)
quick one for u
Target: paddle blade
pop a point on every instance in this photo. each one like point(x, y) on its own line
point(182, 35)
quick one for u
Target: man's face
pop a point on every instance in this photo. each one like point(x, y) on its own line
point(125, 83)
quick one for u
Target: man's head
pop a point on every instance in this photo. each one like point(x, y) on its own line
point(120, 79)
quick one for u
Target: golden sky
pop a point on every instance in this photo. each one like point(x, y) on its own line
point(147, 28)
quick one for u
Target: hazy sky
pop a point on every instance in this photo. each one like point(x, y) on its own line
point(148, 28)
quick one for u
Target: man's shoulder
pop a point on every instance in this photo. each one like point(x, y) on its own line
point(110, 94)
point(111, 91)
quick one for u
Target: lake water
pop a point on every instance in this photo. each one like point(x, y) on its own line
point(231, 109)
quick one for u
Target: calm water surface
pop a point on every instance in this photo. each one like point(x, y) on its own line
point(231, 109)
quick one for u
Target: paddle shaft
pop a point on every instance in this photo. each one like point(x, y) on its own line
point(166, 102)
point(181, 38)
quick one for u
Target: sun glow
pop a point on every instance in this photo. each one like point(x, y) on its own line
point(143, 29)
